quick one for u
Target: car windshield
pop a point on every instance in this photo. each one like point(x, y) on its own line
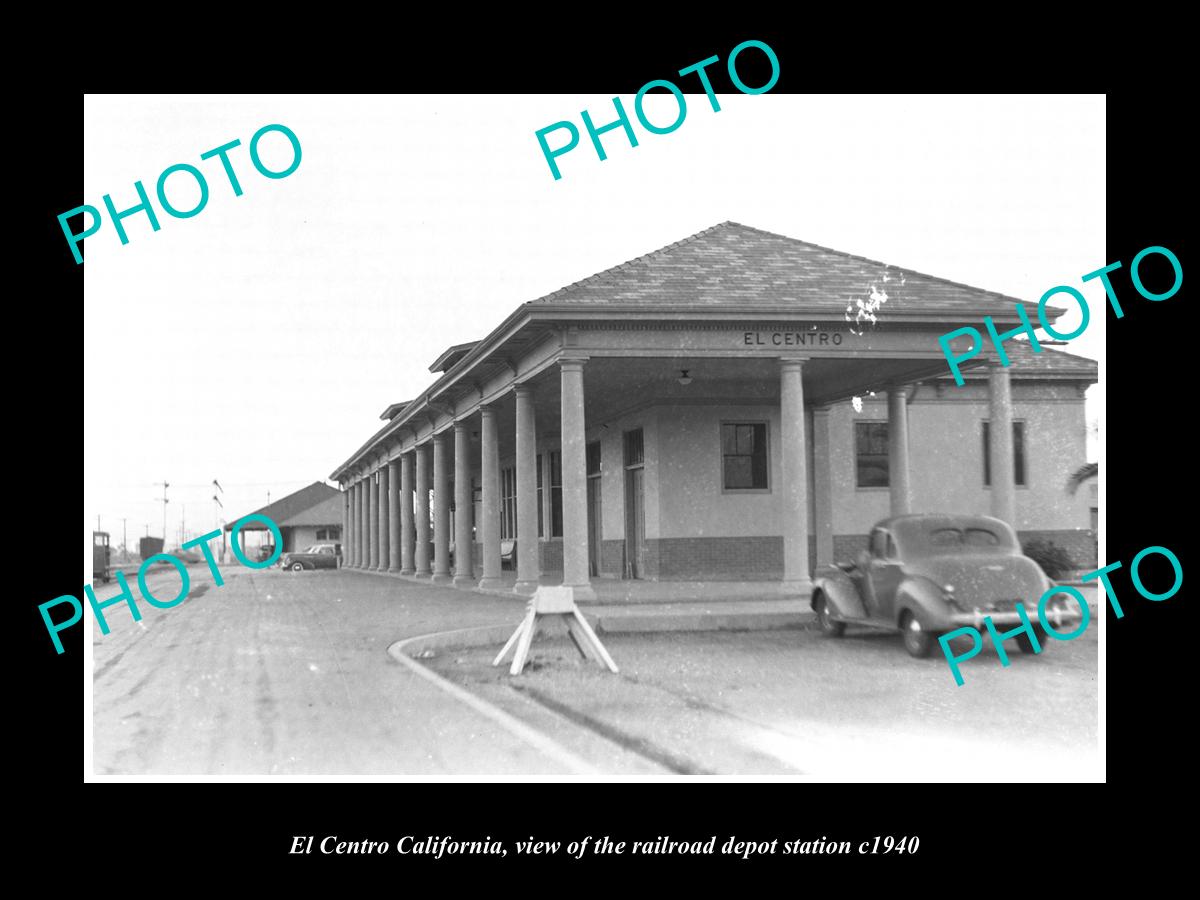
point(963, 539)
point(315, 548)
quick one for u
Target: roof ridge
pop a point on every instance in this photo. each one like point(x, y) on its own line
point(629, 262)
point(876, 262)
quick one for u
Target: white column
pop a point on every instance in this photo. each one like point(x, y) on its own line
point(384, 541)
point(393, 508)
point(407, 535)
point(898, 483)
point(345, 526)
point(373, 522)
point(1003, 466)
point(364, 531)
point(528, 565)
point(574, 481)
point(822, 486)
point(349, 534)
point(489, 528)
point(794, 490)
point(441, 511)
point(421, 488)
point(464, 537)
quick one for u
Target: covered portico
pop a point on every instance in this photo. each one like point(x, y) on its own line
point(666, 436)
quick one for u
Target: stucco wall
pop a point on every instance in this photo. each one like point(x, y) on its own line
point(691, 502)
point(946, 457)
point(301, 536)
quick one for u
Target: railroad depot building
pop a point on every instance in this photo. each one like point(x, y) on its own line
point(311, 514)
point(736, 406)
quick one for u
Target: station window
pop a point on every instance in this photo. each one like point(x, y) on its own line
point(635, 448)
point(744, 456)
point(871, 454)
point(1018, 454)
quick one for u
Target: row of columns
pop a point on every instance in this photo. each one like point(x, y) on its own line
point(384, 534)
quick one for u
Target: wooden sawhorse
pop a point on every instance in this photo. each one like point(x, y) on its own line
point(554, 601)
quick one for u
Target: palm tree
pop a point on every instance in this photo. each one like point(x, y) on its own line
point(1082, 474)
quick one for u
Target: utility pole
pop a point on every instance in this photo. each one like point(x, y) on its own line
point(217, 504)
point(98, 528)
point(165, 484)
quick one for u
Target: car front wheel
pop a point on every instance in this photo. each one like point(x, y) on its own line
point(297, 567)
point(828, 626)
point(1026, 644)
point(917, 641)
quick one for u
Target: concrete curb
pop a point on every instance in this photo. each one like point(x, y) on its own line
point(483, 636)
point(624, 622)
point(630, 618)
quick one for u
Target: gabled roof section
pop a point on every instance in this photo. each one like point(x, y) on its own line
point(451, 356)
point(327, 512)
point(394, 410)
point(735, 264)
point(290, 510)
point(1049, 363)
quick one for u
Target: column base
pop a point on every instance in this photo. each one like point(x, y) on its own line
point(442, 578)
point(425, 574)
point(464, 581)
point(393, 570)
point(525, 587)
point(490, 583)
point(408, 571)
point(801, 586)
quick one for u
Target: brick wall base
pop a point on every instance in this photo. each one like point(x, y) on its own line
point(759, 558)
point(715, 559)
point(612, 558)
point(1080, 544)
point(551, 556)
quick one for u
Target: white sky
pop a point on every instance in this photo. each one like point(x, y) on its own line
point(258, 342)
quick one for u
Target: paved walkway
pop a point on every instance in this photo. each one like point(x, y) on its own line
point(280, 673)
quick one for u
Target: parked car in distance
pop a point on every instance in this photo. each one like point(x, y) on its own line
point(924, 575)
point(319, 556)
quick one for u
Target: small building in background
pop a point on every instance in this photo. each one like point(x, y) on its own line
point(309, 515)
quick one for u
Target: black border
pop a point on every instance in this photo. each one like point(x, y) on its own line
point(963, 827)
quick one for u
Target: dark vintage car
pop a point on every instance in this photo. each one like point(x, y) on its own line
point(924, 575)
point(319, 556)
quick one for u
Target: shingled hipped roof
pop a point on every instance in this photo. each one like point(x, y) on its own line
point(729, 272)
point(736, 264)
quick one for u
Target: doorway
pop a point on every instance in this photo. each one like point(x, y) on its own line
point(595, 534)
point(635, 505)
